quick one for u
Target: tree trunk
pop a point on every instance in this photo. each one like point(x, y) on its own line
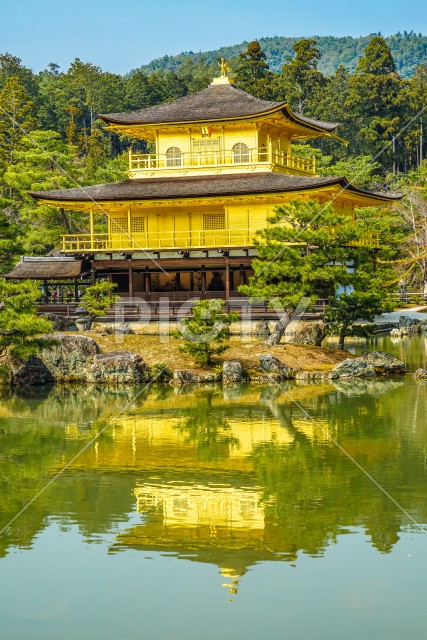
point(343, 334)
point(279, 330)
point(65, 220)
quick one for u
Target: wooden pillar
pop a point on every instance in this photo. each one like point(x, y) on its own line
point(129, 225)
point(242, 274)
point(92, 275)
point(130, 269)
point(92, 228)
point(110, 280)
point(191, 280)
point(227, 278)
point(177, 281)
point(76, 290)
point(203, 274)
point(147, 283)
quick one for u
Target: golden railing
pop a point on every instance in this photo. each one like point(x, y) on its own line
point(231, 157)
point(173, 240)
point(372, 241)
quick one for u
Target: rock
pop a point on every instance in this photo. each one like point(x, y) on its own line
point(406, 321)
point(311, 333)
point(60, 323)
point(353, 368)
point(271, 364)
point(313, 376)
point(262, 330)
point(30, 373)
point(70, 360)
point(420, 374)
point(383, 362)
point(187, 376)
point(122, 327)
point(118, 367)
point(101, 330)
point(231, 372)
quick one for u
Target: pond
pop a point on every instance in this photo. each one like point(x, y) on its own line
point(249, 512)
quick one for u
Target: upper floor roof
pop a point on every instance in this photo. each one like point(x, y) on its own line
point(221, 101)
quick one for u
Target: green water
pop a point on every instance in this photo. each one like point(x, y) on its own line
point(294, 511)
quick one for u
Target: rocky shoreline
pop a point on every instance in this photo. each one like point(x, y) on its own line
point(78, 359)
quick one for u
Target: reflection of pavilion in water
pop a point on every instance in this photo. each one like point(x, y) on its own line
point(208, 511)
point(214, 509)
point(220, 524)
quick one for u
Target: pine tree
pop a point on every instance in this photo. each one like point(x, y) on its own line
point(9, 243)
point(97, 299)
point(42, 161)
point(252, 72)
point(16, 118)
point(301, 79)
point(305, 253)
point(206, 330)
point(20, 328)
point(373, 101)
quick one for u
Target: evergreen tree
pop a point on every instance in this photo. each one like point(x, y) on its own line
point(373, 102)
point(10, 246)
point(12, 67)
point(42, 162)
point(97, 299)
point(415, 97)
point(16, 118)
point(206, 330)
point(301, 79)
point(252, 73)
point(100, 166)
point(20, 328)
point(305, 253)
point(140, 92)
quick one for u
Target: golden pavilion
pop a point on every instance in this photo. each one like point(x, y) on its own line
point(185, 220)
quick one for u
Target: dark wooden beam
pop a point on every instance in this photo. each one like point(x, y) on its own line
point(130, 268)
point(227, 278)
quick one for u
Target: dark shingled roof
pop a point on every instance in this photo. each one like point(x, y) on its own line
point(45, 269)
point(217, 102)
point(200, 186)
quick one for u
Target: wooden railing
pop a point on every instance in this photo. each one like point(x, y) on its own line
point(229, 157)
point(174, 240)
point(155, 240)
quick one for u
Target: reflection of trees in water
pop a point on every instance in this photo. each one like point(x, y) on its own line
point(312, 490)
point(208, 429)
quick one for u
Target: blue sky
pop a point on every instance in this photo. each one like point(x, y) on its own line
point(121, 35)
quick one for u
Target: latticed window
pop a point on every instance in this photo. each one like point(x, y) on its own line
point(173, 157)
point(137, 224)
point(206, 145)
point(118, 224)
point(213, 221)
point(240, 152)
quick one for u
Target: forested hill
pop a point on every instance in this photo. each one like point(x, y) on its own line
point(408, 50)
